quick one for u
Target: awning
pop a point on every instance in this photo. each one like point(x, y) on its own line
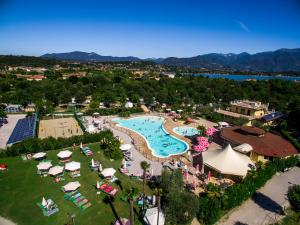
point(56, 170)
point(125, 147)
point(39, 155)
point(44, 165)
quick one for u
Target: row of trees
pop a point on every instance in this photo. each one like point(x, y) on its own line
point(32, 145)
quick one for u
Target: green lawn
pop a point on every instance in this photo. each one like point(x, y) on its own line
point(21, 188)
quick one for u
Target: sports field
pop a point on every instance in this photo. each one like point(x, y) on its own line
point(61, 127)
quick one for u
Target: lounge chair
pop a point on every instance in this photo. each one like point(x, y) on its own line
point(84, 207)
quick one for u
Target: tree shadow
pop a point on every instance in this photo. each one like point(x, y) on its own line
point(240, 223)
point(267, 203)
point(109, 200)
point(119, 183)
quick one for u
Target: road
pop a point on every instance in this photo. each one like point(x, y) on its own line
point(268, 204)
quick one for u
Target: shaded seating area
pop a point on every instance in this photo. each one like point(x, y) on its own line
point(73, 168)
point(43, 167)
point(57, 172)
point(48, 207)
point(78, 199)
point(71, 186)
point(64, 156)
point(25, 128)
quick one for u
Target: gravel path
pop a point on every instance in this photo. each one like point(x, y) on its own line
point(267, 206)
point(4, 221)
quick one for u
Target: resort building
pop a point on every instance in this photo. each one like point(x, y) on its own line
point(249, 108)
point(265, 145)
point(245, 108)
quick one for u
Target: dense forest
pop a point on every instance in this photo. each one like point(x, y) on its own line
point(118, 85)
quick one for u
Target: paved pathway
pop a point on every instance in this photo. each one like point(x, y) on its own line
point(267, 205)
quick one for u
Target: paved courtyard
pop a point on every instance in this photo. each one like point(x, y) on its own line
point(7, 129)
point(267, 206)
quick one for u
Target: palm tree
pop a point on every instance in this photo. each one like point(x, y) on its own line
point(145, 166)
point(131, 195)
point(158, 194)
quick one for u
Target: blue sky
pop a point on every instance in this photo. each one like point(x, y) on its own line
point(148, 28)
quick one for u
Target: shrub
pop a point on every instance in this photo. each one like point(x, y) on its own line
point(294, 197)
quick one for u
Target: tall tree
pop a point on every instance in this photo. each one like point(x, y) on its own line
point(145, 166)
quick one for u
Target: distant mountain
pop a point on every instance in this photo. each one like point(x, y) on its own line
point(276, 61)
point(87, 57)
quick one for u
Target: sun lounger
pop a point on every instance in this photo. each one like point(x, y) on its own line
point(103, 186)
point(113, 192)
point(83, 202)
point(84, 207)
point(108, 189)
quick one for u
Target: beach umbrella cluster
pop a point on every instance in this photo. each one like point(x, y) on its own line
point(202, 144)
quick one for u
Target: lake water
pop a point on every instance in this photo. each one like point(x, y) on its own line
point(161, 143)
point(246, 77)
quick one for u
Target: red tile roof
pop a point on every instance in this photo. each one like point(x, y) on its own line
point(268, 144)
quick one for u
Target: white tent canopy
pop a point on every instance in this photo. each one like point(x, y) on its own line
point(56, 170)
point(72, 166)
point(125, 147)
point(228, 161)
point(243, 148)
point(44, 165)
point(108, 172)
point(151, 217)
point(39, 155)
point(72, 186)
point(64, 154)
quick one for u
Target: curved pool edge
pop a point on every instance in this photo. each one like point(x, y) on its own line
point(148, 145)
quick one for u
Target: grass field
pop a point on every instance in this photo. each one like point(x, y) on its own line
point(21, 188)
point(59, 127)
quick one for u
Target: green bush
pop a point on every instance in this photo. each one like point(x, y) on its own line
point(79, 122)
point(294, 197)
point(216, 202)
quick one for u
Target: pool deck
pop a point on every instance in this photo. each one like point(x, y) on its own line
point(141, 144)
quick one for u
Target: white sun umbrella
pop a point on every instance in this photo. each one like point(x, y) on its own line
point(108, 172)
point(44, 165)
point(125, 147)
point(64, 154)
point(72, 166)
point(100, 167)
point(72, 186)
point(98, 185)
point(56, 170)
point(81, 145)
point(93, 163)
point(44, 202)
point(151, 217)
point(39, 155)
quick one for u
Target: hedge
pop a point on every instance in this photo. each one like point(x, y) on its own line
point(216, 202)
point(79, 122)
point(36, 145)
point(287, 135)
point(114, 111)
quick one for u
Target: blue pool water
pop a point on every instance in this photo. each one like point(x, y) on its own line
point(246, 77)
point(186, 131)
point(159, 141)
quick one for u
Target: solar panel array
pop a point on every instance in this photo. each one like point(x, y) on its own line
point(24, 128)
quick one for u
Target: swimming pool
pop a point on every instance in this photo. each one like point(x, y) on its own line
point(186, 131)
point(161, 143)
